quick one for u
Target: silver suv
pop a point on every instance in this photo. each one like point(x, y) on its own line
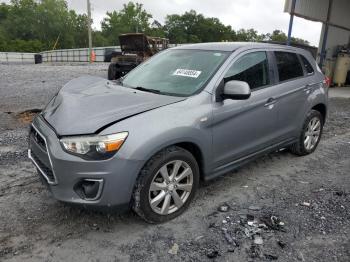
point(187, 114)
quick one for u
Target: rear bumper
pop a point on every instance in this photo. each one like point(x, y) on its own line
point(115, 177)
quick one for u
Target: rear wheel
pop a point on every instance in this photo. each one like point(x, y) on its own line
point(310, 135)
point(166, 185)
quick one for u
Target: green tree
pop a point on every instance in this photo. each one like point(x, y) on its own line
point(281, 37)
point(54, 21)
point(193, 28)
point(156, 29)
point(4, 11)
point(132, 18)
point(25, 23)
point(36, 25)
point(249, 35)
point(98, 39)
point(78, 29)
point(21, 20)
point(176, 32)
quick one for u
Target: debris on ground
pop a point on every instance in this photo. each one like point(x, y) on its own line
point(281, 243)
point(213, 253)
point(174, 249)
point(228, 237)
point(258, 240)
point(198, 238)
point(254, 208)
point(254, 251)
point(95, 227)
point(339, 193)
point(305, 204)
point(231, 249)
point(273, 222)
point(248, 230)
point(300, 256)
point(250, 217)
point(224, 207)
point(270, 256)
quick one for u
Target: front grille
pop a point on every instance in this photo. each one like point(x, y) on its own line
point(37, 138)
point(40, 155)
point(47, 171)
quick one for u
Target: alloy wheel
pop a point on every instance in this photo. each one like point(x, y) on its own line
point(171, 187)
point(312, 134)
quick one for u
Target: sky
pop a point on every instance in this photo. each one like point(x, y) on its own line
point(262, 15)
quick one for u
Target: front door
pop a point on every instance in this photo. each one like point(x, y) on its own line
point(242, 127)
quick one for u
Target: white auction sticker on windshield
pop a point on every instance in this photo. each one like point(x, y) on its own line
point(187, 72)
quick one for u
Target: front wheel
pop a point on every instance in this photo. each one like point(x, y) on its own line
point(310, 134)
point(113, 74)
point(166, 185)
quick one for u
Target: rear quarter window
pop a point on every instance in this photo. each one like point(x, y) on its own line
point(288, 66)
point(308, 67)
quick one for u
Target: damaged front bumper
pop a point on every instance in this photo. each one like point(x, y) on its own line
point(104, 183)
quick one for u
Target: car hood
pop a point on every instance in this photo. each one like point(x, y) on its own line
point(88, 104)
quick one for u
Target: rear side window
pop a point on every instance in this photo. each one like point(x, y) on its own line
point(288, 66)
point(307, 65)
point(252, 68)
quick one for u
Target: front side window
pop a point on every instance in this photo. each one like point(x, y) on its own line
point(307, 65)
point(252, 68)
point(176, 72)
point(288, 66)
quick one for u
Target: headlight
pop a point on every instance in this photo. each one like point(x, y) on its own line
point(94, 147)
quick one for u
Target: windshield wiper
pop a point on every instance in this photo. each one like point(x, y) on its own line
point(147, 89)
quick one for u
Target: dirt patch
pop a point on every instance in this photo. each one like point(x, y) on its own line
point(26, 117)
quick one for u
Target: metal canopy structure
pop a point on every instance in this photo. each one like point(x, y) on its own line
point(335, 16)
point(334, 12)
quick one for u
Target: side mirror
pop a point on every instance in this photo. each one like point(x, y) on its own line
point(237, 90)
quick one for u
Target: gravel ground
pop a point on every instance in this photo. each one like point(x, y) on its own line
point(280, 207)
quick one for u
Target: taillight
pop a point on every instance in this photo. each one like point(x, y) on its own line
point(327, 81)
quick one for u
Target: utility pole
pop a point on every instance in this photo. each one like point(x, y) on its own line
point(89, 28)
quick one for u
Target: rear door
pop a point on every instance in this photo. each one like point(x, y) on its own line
point(292, 92)
point(242, 127)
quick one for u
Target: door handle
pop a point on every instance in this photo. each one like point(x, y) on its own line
point(271, 101)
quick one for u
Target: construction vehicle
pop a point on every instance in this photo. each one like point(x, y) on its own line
point(135, 48)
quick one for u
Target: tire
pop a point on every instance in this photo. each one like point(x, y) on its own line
point(300, 148)
point(152, 175)
point(111, 72)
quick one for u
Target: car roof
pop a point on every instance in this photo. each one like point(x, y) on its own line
point(232, 46)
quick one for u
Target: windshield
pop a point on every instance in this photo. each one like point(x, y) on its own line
point(176, 72)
